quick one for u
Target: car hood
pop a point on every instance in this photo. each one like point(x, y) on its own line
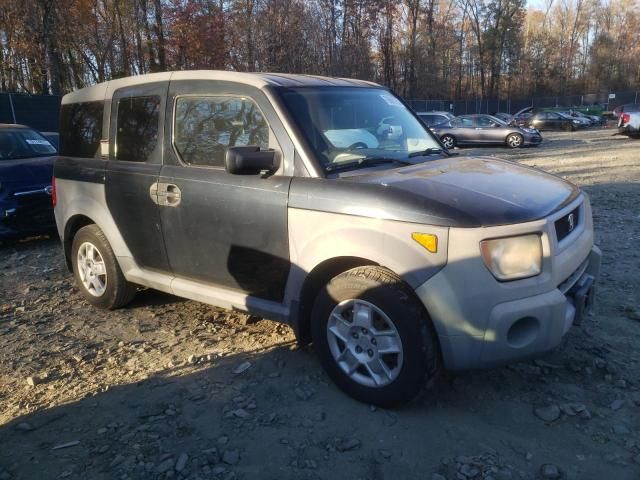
point(26, 173)
point(457, 192)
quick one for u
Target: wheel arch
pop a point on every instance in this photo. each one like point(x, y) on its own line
point(71, 228)
point(313, 283)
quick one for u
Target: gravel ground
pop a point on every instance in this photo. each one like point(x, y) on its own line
point(168, 388)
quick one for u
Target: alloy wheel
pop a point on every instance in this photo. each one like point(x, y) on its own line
point(92, 269)
point(365, 343)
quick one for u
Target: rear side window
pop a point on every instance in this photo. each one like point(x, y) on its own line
point(138, 123)
point(81, 129)
point(463, 122)
point(205, 126)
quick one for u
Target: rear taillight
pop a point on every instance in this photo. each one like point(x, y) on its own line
point(625, 118)
point(53, 191)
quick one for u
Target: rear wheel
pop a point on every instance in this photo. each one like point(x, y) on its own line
point(97, 272)
point(374, 337)
point(515, 140)
point(448, 141)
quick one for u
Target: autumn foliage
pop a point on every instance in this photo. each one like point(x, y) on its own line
point(421, 48)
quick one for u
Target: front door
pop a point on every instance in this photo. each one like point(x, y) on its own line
point(135, 159)
point(486, 129)
point(222, 229)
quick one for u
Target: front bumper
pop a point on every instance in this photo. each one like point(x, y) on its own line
point(533, 138)
point(530, 326)
point(482, 322)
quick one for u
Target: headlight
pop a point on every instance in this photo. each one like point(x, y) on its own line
point(576, 122)
point(513, 258)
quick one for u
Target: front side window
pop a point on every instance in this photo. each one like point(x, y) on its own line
point(137, 128)
point(81, 129)
point(204, 127)
point(349, 125)
point(16, 143)
point(488, 121)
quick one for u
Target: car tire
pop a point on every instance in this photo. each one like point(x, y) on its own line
point(383, 370)
point(515, 140)
point(449, 141)
point(97, 272)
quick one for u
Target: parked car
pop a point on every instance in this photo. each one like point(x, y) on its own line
point(505, 117)
point(26, 168)
point(434, 118)
point(393, 257)
point(554, 121)
point(627, 107)
point(53, 137)
point(483, 130)
point(583, 119)
point(522, 119)
point(629, 124)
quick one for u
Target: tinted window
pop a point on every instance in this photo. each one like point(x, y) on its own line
point(484, 122)
point(431, 120)
point(81, 129)
point(463, 122)
point(23, 143)
point(206, 126)
point(138, 123)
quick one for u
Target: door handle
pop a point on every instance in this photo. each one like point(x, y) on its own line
point(173, 195)
point(165, 194)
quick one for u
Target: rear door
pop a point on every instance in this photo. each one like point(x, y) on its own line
point(465, 130)
point(135, 158)
point(222, 229)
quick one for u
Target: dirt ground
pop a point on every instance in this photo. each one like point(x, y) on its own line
point(168, 388)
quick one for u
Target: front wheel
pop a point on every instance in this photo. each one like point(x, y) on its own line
point(374, 337)
point(515, 140)
point(97, 272)
point(448, 141)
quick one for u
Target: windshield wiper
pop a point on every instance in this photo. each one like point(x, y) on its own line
point(428, 151)
point(365, 162)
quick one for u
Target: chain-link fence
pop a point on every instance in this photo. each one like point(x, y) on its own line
point(596, 101)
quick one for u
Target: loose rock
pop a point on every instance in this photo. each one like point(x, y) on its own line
point(182, 462)
point(549, 471)
point(231, 457)
point(549, 414)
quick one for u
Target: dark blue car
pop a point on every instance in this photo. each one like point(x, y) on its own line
point(26, 169)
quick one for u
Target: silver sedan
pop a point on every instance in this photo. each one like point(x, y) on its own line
point(484, 130)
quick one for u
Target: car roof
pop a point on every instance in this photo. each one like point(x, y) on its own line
point(434, 112)
point(14, 126)
point(105, 90)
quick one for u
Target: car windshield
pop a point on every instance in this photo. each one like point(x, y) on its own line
point(16, 143)
point(349, 127)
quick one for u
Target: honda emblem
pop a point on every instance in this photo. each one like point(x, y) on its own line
point(572, 222)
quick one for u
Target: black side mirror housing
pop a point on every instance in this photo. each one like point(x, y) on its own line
point(250, 160)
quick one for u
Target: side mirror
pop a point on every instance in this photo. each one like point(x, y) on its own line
point(250, 160)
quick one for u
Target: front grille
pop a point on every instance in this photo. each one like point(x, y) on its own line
point(567, 224)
